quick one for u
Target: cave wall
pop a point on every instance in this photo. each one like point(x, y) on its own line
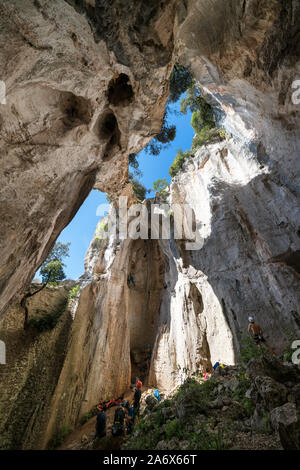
point(70, 121)
point(34, 361)
point(78, 102)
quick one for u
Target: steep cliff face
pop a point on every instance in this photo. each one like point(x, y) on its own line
point(247, 265)
point(86, 85)
point(34, 360)
point(75, 109)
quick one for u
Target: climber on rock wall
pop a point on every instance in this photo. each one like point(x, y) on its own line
point(148, 354)
point(130, 280)
point(255, 331)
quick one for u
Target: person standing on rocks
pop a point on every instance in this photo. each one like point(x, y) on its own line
point(101, 423)
point(136, 398)
point(256, 333)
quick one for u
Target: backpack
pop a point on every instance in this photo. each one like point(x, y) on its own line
point(117, 429)
point(119, 416)
point(157, 395)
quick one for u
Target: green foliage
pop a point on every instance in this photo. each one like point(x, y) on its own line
point(87, 416)
point(203, 117)
point(59, 437)
point(74, 291)
point(161, 186)
point(239, 394)
point(146, 436)
point(138, 188)
point(173, 428)
point(52, 268)
point(134, 164)
point(205, 440)
point(48, 321)
point(165, 136)
point(58, 252)
point(178, 161)
point(249, 350)
point(204, 136)
point(101, 230)
point(192, 100)
point(52, 273)
point(180, 80)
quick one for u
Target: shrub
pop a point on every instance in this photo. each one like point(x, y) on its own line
point(87, 416)
point(178, 161)
point(173, 428)
point(101, 229)
point(49, 321)
point(161, 187)
point(59, 437)
point(249, 350)
point(73, 292)
point(138, 188)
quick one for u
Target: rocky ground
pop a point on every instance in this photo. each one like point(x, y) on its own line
point(251, 407)
point(240, 408)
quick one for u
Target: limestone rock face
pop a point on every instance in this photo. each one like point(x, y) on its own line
point(86, 85)
point(34, 360)
point(286, 421)
point(75, 109)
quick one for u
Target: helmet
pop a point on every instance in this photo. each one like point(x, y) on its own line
point(149, 345)
point(126, 404)
point(251, 319)
point(139, 384)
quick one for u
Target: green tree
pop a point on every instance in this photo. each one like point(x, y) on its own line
point(180, 80)
point(178, 161)
point(161, 186)
point(51, 272)
point(52, 268)
point(138, 188)
point(166, 135)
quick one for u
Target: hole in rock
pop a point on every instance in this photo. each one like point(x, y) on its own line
point(120, 91)
point(108, 125)
point(291, 258)
point(77, 110)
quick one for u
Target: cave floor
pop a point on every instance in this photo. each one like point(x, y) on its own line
point(83, 437)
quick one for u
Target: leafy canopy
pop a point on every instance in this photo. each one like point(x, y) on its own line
point(138, 188)
point(161, 186)
point(52, 268)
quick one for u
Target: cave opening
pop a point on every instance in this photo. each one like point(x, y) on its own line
point(120, 91)
point(143, 297)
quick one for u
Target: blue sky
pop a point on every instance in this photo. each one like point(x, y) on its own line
point(81, 229)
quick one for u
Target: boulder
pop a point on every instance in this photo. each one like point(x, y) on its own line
point(260, 421)
point(150, 401)
point(254, 368)
point(281, 372)
point(286, 421)
point(273, 394)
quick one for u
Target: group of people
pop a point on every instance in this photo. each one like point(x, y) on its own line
point(125, 415)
